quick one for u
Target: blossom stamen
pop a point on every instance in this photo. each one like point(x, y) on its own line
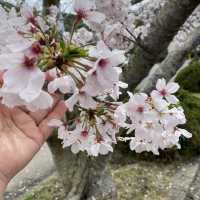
point(103, 63)
point(163, 92)
point(36, 48)
point(140, 109)
point(81, 14)
point(29, 62)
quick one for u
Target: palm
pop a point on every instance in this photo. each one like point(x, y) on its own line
point(21, 137)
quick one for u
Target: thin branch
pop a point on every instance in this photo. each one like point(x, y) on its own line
point(7, 6)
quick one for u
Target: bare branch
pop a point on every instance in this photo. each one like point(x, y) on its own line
point(7, 6)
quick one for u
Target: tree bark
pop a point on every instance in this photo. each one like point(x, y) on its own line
point(161, 32)
point(168, 68)
point(73, 169)
point(7, 5)
point(83, 177)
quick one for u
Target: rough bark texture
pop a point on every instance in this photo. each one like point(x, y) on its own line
point(73, 169)
point(168, 68)
point(7, 5)
point(83, 177)
point(161, 32)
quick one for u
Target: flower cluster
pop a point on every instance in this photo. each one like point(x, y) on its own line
point(23, 80)
point(115, 28)
point(109, 21)
point(154, 119)
point(38, 61)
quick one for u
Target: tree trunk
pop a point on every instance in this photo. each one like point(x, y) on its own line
point(83, 177)
point(168, 68)
point(161, 32)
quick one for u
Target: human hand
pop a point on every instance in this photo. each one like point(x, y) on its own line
point(21, 136)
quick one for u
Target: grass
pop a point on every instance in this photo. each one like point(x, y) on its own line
point(143, 181)
point(50, 189)
point(139, 181)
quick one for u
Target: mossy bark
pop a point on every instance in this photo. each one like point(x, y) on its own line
point(189, 77)
point(191, 105)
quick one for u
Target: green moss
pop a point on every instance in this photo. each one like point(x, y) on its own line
point(191, 105)
point(189, 95)
point(143, 180)
point(50, 189)
point(189, 78)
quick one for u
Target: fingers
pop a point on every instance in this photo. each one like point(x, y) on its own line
point(27, 125)
point(1, 77)
point(57, 113)
point(38, 116)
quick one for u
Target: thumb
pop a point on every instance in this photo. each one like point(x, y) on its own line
point(57, 113)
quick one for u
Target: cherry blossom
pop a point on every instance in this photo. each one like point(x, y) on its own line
point(85, 10)
point(42, 102)
point(137, 106)
point(166, 90)
point(83, 67)
point(100, 147)
point(84, 99)
point(99, 77)
point(64, 84)
point(153, 120)
point(21, 77)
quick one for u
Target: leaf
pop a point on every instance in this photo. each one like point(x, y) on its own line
point(62, 45)
point(72, 52)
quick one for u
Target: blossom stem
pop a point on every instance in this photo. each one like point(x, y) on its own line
point(76, 22)
point(86, 67)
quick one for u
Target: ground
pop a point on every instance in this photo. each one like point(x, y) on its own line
point(141, 180)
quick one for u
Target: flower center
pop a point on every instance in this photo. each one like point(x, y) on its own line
point(32, 20)
point(81, 14)
point(82, 92)
point(33, 29)
point(94, 73)
point(84, 133)
point(103, 63)
point(99, 139)
point(29, 62)
point(140, 109)
point(163, 92)
point(36, 48)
